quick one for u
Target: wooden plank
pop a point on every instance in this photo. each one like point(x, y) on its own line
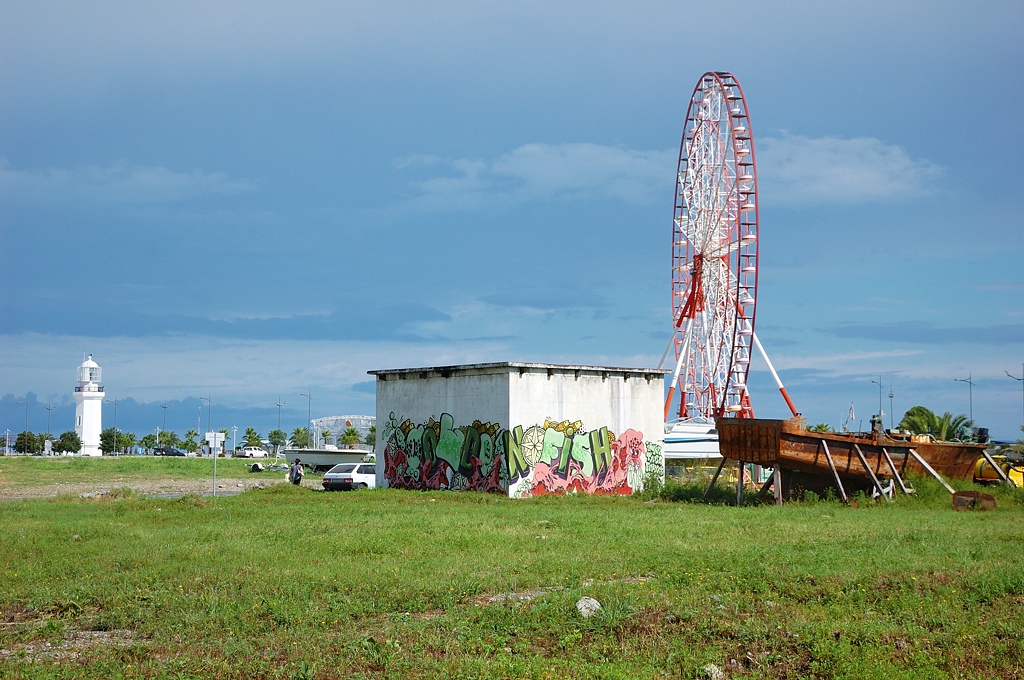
point(715, 478)
point(923, 463)
point(739, 482)
point(835, 473)
point(895, 472)
point(874, 479)
point(777, 474)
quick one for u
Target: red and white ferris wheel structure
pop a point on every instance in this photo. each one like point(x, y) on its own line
point(715, 257)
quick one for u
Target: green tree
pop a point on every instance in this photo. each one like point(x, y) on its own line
point(107, 442)
point(126, 440)
point(69, 442)
point(252, 437)
point(371, 436)
point(1018, 446)
point(277, 438)
point(821, 427)
point(148, 442)
point(350, 437)
point(27, 442)
point(300, 438)
point(326, 436)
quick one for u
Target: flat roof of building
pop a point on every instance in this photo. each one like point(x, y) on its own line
point(521, 366)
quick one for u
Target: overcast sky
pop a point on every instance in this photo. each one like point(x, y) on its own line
point(251, 200)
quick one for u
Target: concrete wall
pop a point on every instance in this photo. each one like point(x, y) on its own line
point(521, 429)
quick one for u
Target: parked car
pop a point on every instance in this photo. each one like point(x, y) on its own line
point(349, 476)
point(251, 452)
point(168, 451)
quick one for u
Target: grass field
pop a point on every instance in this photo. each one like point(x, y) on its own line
point(22, 471)
point(293, 583)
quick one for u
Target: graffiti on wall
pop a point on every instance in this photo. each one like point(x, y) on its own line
point(438, 455)
point(556, 458)
point(563, 457)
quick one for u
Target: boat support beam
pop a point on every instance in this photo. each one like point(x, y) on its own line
point(874, 479)
point(895, 473)
point(998, 469)
point(715, 478)
point(835, 473)
point(930, 470)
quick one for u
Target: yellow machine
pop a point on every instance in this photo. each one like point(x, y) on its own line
point(985, 474)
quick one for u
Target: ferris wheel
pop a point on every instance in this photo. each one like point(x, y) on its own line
point(714, 254)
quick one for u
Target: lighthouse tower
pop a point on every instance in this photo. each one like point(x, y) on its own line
point(89, 407)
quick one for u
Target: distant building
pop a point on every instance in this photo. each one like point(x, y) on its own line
point(89, 407)
point(336, 425)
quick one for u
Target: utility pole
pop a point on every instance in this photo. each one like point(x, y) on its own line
point(879, 383)
point(165, 406)
point(48, 409)
point(25, 403)
point(890, 407)
point(213, 447)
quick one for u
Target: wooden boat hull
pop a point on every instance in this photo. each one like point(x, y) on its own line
point(787, 445)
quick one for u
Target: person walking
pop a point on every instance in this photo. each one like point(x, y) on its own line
point(295, 472)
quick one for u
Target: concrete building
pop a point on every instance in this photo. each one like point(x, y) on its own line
point(520, 428)
point(89, 407)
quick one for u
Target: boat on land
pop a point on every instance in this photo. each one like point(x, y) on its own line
point(850, 461)
point(321, 460)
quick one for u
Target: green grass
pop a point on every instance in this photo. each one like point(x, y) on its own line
point(293, 583)
point(26, 471)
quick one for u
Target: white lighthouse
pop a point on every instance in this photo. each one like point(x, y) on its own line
point(89, 407)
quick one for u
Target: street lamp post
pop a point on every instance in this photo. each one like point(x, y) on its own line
point(234, 441)
point(114, 402)
point(970, 394)
point(213, 449)
point(1021, 381)
point(890, 407)
point(879, 383)
point(279, 404)
point(164, 406)
point(309, 414)
point(26, 412)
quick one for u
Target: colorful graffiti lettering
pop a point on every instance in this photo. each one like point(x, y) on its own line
point(565, 458)
point(437, 455)
point(556, 458)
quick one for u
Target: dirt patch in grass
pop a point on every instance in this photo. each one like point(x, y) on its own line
point(74, 645)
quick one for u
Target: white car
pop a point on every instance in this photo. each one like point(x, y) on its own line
point(251, 452)
point(348, 476)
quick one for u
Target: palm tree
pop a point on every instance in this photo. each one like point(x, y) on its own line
point(190, 441)
point(252, 437)
point(127, 440)
point(277, 438)
point(947, 427)
point(300, 438)
point(371, 436)
point(350, 437)
point(820, 427)
point(325, 435)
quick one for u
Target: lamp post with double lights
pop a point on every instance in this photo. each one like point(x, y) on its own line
point(1021, 381)
point(970, 394)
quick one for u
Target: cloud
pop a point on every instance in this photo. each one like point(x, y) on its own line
point(792, 170)
point(573, 172)
point(119, 183)
point(924, 333)
point(796, 170)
